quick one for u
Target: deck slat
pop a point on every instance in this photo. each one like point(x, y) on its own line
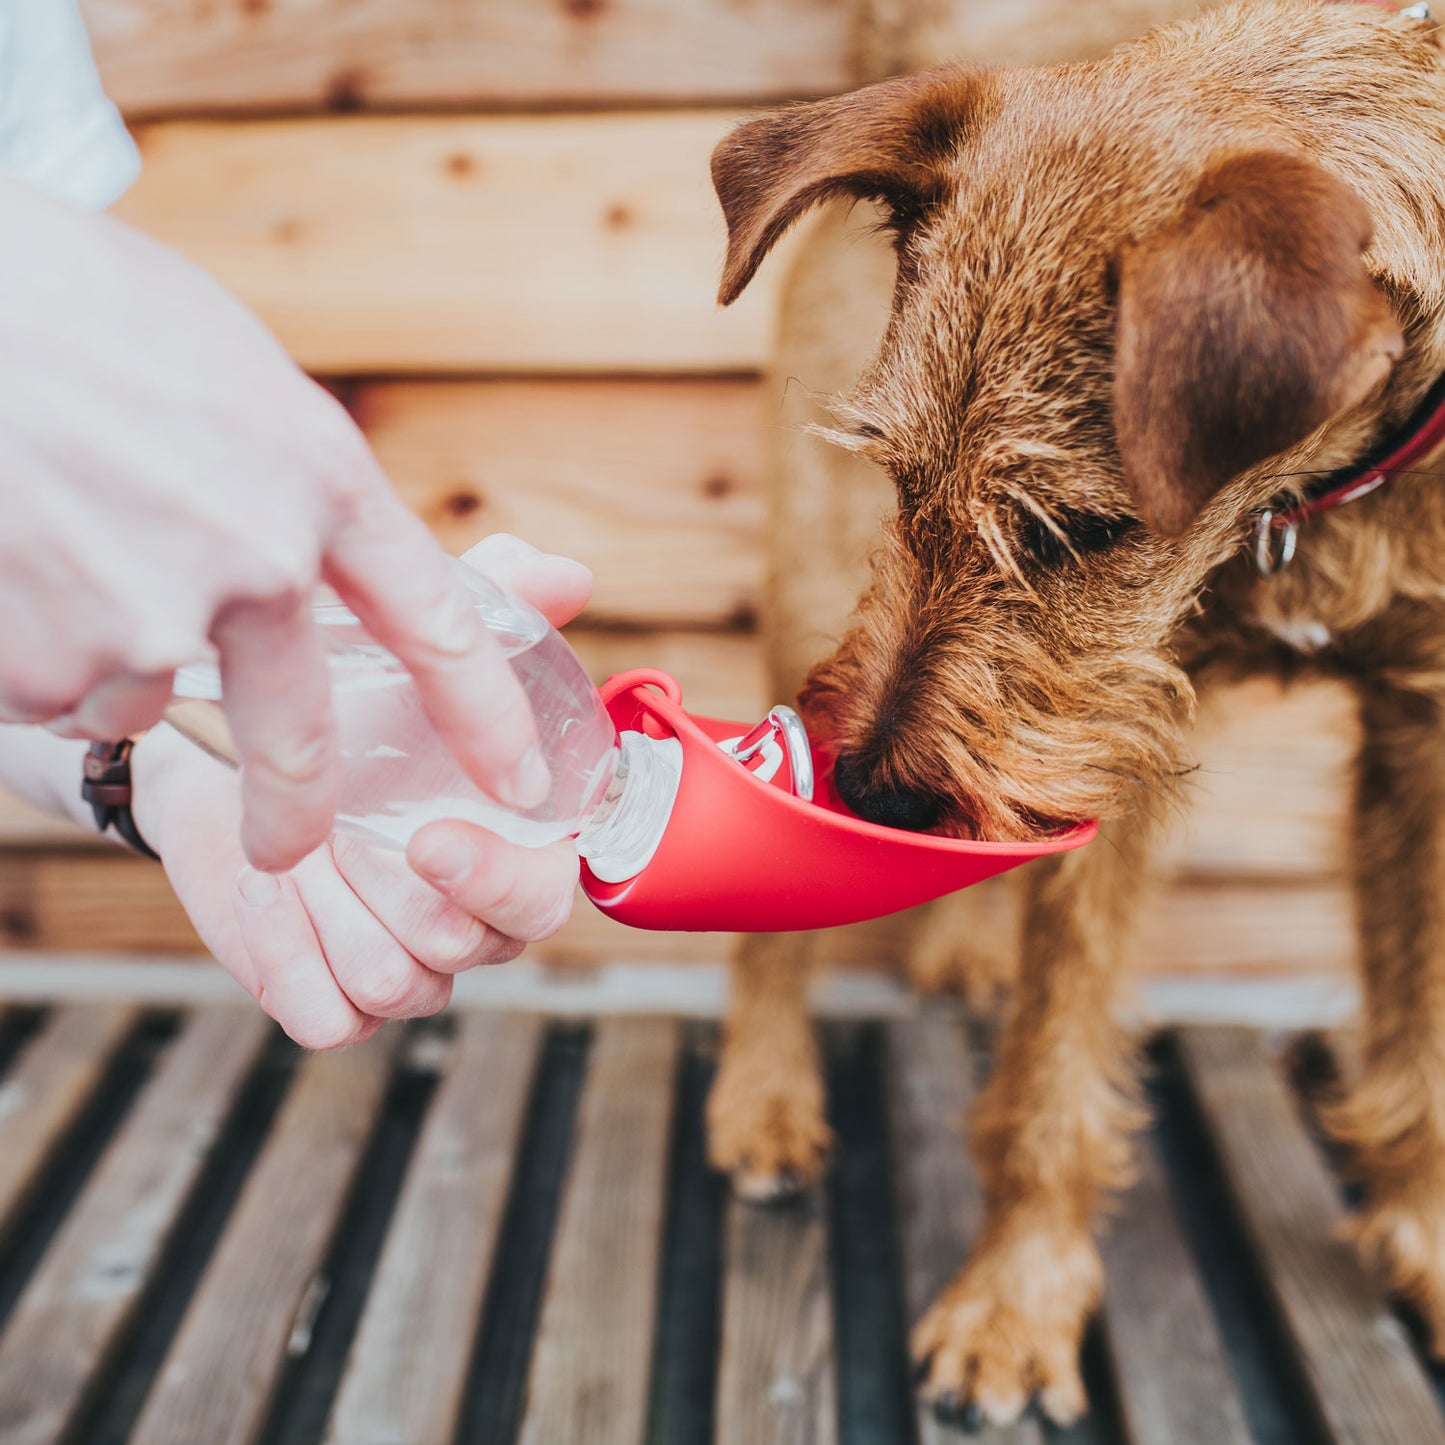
point(940, 1203)
point(82, 1298)
point(407, 1370)
point(589, 1377)
point(656, 485)
point(166, 55)
point(1170, 1374)
point(776, 1382)
point(222, 1369)
point(158, 56)
point(1355, 1356)
point(46, 1087)
point(449, 244)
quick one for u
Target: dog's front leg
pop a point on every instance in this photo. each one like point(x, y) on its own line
point(1050, 1134)
point(766, 1115)
point(1393, 1118)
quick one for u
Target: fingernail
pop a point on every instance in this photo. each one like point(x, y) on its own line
point(443, 861)
point(580, 568)
point(258, 889)
point(530, 782)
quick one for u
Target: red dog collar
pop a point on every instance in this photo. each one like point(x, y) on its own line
point(1276, 531)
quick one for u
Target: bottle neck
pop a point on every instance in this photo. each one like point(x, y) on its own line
point(622, 835)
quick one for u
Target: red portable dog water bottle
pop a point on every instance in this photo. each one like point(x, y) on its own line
point(743, 851)
point(681, 821)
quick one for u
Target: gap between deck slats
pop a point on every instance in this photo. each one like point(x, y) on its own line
point(1171, 1377)
point(83, 1297)
point(930, 1071)
point(225, 1363)
point(1362, 1373)
point(874, 1379)
point(48, 1084)
point(685, 1345)
point(325, 1330)
point(777, 1370)
point(407, 1370)
point(588, 1383)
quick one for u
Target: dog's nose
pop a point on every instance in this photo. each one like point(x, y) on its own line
point(893, 807)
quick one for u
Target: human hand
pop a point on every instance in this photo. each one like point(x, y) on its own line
point(172, 479)
point(351, 935)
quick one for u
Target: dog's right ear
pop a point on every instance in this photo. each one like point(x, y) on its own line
point(886, 141)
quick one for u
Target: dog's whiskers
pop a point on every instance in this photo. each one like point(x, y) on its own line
point(1151, 790)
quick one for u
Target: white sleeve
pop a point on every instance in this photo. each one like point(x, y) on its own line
point(58, 130)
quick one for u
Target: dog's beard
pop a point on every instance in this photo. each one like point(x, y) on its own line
point(1020, 773)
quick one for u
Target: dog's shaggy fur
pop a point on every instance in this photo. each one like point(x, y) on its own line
point(1137, 300)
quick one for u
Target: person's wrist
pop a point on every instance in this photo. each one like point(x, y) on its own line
point(156, 761)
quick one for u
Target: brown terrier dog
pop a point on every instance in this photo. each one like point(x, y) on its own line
point(1139, 303)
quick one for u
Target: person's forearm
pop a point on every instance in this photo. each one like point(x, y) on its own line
point(44, 770)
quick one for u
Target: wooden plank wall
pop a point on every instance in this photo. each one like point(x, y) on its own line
point(490, 225)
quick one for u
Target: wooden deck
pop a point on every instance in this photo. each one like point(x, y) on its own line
point(498, 1227)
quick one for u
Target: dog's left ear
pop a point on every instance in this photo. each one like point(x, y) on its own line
point(1242, 328)
point(886, 141)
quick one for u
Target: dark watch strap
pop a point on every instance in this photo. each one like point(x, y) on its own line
point(107, 789)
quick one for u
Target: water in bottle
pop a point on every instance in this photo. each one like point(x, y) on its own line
point(615, 793)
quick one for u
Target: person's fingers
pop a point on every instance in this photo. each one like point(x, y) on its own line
point(117, 707)
point(429, 926)
point(44, 677)
point(370, 965)
point(411, 598)
point(525, 893)
point(293, 983)
point(558, 587)
point(278, 703)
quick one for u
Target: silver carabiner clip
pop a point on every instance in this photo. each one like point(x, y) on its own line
point(1268, 561)
point(785, 724)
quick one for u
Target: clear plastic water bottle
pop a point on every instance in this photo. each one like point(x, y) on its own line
point(614, 793)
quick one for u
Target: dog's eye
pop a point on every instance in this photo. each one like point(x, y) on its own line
point(1083, 534)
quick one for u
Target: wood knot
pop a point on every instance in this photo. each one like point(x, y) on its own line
point(584, 9)
point(461, 164)
point(718, 485)
point(18, 924)
point(617, 216)
point(462, 503)
point(346, 90)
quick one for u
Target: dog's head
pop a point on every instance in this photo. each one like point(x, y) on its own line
point(1130, 296)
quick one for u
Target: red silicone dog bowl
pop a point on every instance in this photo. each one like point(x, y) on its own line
point(744, 855)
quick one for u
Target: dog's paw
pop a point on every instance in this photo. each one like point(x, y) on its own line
point(1006, 1333)
point(952, 953)
point(1402, 1240)
point(980, 977)
point(766, 1125)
